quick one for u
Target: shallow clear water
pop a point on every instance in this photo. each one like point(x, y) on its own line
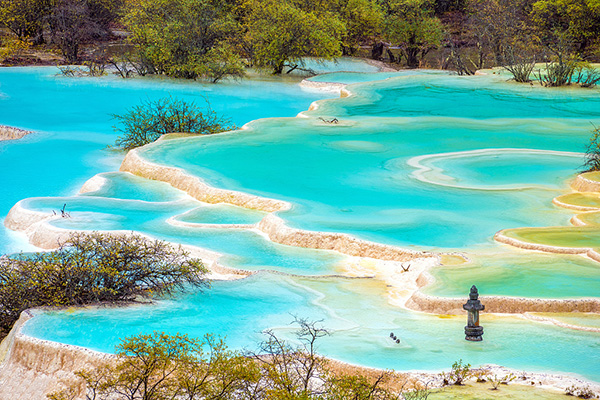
point(519, 274)
point(354, 310)
point(73, 124)
point(424, 160)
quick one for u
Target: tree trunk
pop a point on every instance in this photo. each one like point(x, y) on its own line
point(377, 51)
point(391, 56)
point(412, 59)
point(278, 69)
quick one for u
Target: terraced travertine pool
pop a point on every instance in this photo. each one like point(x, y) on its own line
point(423, 160)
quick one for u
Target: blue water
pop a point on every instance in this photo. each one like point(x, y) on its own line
point(354, 310)
point(357, 177)
point(73, 124)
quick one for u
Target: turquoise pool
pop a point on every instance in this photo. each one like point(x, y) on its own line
point(423, 160)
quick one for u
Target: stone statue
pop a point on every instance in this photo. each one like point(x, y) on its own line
point(473, 331)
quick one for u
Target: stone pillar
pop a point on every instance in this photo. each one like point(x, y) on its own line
point(473, 331)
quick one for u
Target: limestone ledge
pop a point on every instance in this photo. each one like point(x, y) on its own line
point(585, 251)
point(562, 324)
point(276, 230)
point(175, 222)
point(93, 184)
point(11, 133)
point(501, 304)
point(136, 165)
point(558, 202)
point(327, 86)
point(43, 235)
point(274, 227)
point(583, 183)
point(33, 368)
point(35, 225)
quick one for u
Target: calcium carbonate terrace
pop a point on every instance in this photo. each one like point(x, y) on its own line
point(429, 162)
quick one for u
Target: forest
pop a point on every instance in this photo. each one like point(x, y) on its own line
point(214, 39)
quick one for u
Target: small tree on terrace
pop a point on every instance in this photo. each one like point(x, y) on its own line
point(592, 153)
point(147, 122)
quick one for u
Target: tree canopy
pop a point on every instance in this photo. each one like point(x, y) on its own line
point(578, 20)
point(25, 18)
point(145, 123)
point(413, 27)
point(281, 34)
point(180, 38)
point(91, 268)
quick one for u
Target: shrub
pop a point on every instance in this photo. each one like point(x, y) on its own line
point(586, 75)
point(496, 380)
point(92, 268)
point(558, 73)
point(592, 153)
point(147, 122)
point(459, 373)
point(580, 391)
point(518, 65)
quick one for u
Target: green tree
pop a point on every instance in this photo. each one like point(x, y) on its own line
point(414, 28)
point(282, 34)
point(578, 20)
point(147, 122)
point(25, 18)
point(182, 38)
point(91, 268)
point(160, 366)
point(222, 61)
point(592, 153)
point(363, 20)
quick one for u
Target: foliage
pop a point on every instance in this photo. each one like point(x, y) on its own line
point(148, 121)
point(74, 22)
point(496, 380)
point(459, 373)
point(413, 27)
point(281, 34)
point(222, 61)
point(592, 153)
point(13, 48)
point(503, 27)
point(183, 38)
point(557, 73)
point(25, 18)
point(520, 67)
point(162, 366)
point(577, 19)
point(363, 20)
point(580, 391)
point(290, 372)
point(418, 393)
point(91, 268)
point(586, 75)
point(359, 387)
